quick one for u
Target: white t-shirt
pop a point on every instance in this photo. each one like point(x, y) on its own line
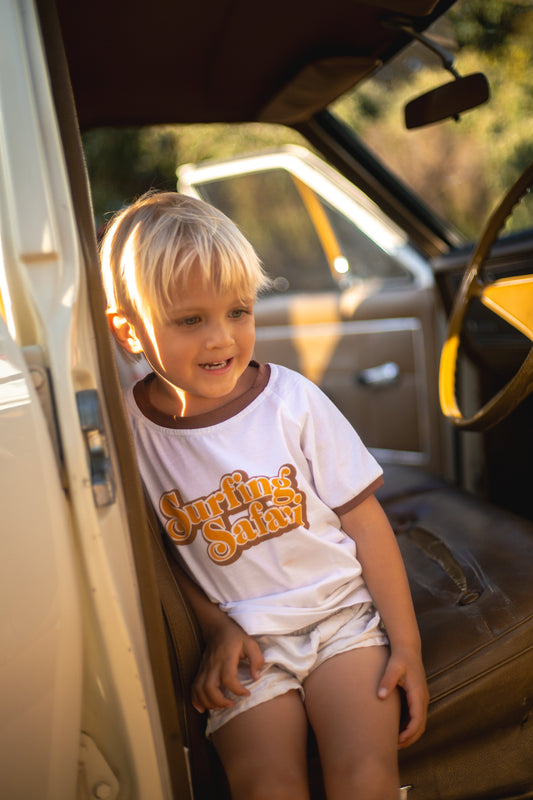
point(251, 496)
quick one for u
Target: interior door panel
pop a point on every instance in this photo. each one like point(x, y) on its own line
point(378, 364)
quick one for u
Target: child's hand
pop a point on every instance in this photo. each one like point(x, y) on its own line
point(405, 669)
point(225, 646)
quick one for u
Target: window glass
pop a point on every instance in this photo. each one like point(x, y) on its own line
point(269, 210)
point(305, 243)
point(364, 257)
point(459, 167)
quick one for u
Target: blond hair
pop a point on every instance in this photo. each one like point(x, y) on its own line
point(151, 248)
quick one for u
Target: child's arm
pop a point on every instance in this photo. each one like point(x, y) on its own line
point(225, 644)
point(386, 579)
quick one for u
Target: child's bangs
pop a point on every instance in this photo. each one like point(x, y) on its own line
point(218, 267)
point(230, 269)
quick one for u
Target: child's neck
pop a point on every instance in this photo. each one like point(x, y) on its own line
point(175, 402)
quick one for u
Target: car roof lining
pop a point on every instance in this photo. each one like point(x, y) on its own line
point(171, 61)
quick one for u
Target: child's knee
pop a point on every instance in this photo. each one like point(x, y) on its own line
point(370, 779)
point(276, 785)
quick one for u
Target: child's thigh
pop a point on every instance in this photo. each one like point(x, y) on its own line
point(263, 750)
point(356, 732)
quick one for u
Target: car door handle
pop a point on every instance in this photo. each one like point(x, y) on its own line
point(99, 461)
point(385, 374)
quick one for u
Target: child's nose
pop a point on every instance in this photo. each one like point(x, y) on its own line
point(219, 335)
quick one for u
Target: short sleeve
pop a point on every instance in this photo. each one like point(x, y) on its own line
point(344, 471)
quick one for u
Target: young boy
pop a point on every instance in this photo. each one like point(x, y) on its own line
point(266, 492)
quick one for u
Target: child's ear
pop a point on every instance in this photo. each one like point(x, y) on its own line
point(124, 332)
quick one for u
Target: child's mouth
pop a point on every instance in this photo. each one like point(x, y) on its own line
point(216, 364)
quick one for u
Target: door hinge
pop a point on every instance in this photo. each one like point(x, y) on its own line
point(96, 780)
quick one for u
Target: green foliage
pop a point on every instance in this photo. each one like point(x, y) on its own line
point(461, 169)
point(124, 163)
point(485, 24)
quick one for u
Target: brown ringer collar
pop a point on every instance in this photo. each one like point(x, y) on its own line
point(141, 395)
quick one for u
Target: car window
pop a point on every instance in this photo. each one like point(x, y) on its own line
point(269, 210)
point(461, 167)
point(364, 257)
point(304, 242)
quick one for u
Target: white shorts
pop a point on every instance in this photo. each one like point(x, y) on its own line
point(291, 657)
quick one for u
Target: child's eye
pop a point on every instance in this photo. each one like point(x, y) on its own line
point(237, 313)
point(189, 321)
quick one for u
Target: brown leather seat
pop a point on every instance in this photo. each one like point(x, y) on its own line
point(469, 566)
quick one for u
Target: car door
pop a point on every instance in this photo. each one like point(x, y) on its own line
point(352, 305)
point(78, 703)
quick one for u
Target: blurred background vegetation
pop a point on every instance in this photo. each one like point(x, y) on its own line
point(460, 168)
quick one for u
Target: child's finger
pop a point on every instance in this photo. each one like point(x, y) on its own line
point(417, 705)
point(255, 657)
point(230, 677)
point(413, 731)
point(231, 682)
point(217, 674)
point(389, 681)
point(207, 694)
point(202, 701)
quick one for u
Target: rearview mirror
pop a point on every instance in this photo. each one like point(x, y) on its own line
point(448, 100)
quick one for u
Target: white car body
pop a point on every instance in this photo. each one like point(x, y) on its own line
point(78, 711)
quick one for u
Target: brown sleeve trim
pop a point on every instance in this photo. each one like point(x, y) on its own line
point(358, 499)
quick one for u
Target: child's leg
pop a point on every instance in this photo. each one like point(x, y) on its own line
point(357, 733)
point(263, 750)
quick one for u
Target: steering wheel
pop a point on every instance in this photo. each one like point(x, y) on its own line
point(509, 298)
